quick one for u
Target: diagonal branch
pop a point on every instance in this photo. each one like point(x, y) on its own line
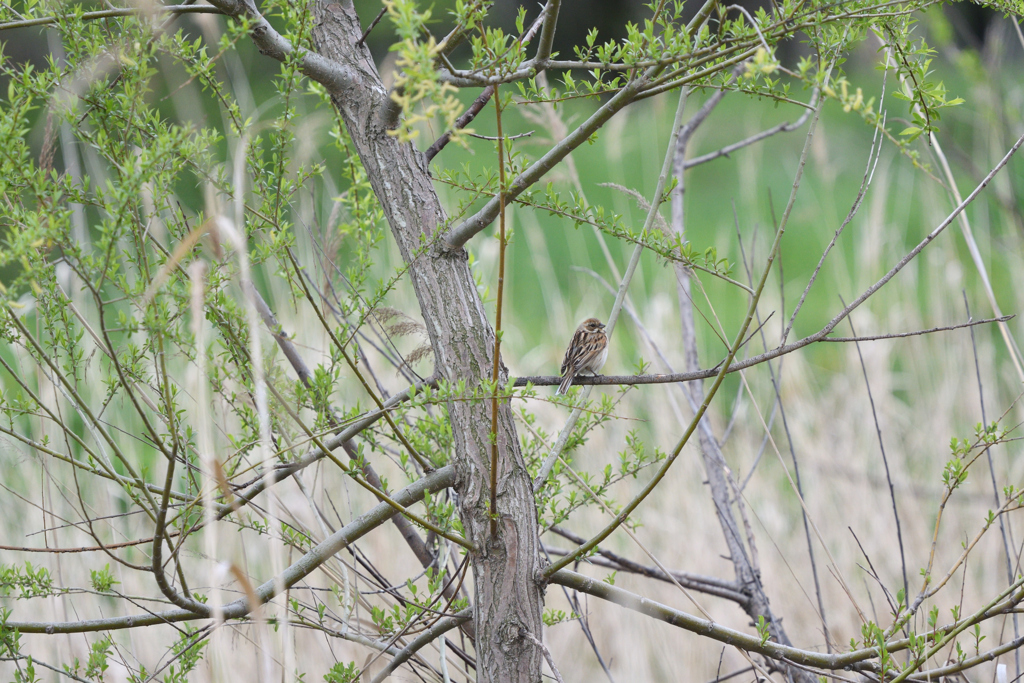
point(784, 127)
point(721, 482)
point(117, 12)
point(862, 659)
point(488, 92)
point(282, 472)
point(460, 234)
point(437, 480)
point(334, 76)
point(467, 116)
point(436, 630)
point(705, 584)
point(404, 526)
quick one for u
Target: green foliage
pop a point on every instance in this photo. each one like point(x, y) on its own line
point(26, 674)
point(763, 630)
point(342, 673)
point(141, 676)
point(417, 82)
point(98, 654)
point(564, 495)
point(912, 59)
point(10, 648)
point(26, 582)
point(102, 580)
point(188, 652)
point(10, 639)
point(670, 247)
point(553, 616)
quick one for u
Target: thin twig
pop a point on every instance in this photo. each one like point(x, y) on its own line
point(507, 137)
point(544, 649)
point(119, 12)
point(669, 378)
point(711, 585)
point(901, 335)
point(785, 127)
point(992, 474)
point(496, 369)
point(865, 183)
point(36, 660)
point(574, 604)
point(722, 485)
point(776, 380)
point(461, 122)
point(373, 24)
point(885, 462)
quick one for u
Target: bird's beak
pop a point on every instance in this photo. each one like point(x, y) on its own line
point(601, 325)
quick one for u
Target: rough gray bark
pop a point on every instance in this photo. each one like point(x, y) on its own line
point(507, 597)
point(743, 557)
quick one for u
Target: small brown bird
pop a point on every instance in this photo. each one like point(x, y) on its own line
point(586, 353)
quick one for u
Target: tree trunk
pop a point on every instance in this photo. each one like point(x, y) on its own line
point(507, 596)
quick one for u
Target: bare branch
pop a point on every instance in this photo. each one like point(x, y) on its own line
point(704, 584)
point(373, 24)
point(110, 13)
point(547, 34)
point(885, 463)
point(63, 672)
point(547, 653)
point(784, 127)
point(865, 183)
point(478, 104)
point(670, 378)
point(856, 660)
point(992, 474)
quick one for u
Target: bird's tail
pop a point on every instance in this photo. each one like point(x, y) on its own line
point(566, 382)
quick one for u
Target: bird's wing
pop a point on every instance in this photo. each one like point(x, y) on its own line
point(575, 351)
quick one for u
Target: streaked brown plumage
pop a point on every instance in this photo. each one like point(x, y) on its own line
point(586, 353)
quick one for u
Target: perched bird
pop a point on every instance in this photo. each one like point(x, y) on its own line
point(586, 353)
